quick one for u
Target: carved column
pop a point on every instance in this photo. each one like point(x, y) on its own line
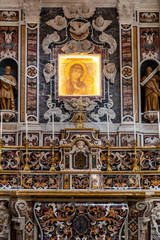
point(32, 11)
point(126, 13)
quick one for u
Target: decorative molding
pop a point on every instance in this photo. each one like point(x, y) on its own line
point(54, 37)
point(32, 75)
point(90, 106)
point(110, 40)
point(81, 219)
point(87, 105)
point(4, 220)
point(151, 116)
point(69, 105)
point(53, 110)
point(8, 139)
point(105, 111)
point(20, 205)
point(155, 217)
point(8, 115)
point(144, 206)
point(9, 42)
point(8, 15)
point(126, 73)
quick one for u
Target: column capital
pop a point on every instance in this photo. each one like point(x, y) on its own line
point(126, 9)
point(31, 10)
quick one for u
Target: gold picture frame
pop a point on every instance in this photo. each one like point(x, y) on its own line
point(79, 75)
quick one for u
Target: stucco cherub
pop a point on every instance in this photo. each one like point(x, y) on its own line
point(100, 24)
point(58, 23)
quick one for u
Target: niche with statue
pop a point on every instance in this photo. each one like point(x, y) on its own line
point(150, 90)
point(8, 89)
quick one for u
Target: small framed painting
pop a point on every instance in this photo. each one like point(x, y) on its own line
point(79, 75)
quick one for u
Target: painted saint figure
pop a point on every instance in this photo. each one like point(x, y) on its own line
point(74, 86)
point(7, 84)
point(152, 91)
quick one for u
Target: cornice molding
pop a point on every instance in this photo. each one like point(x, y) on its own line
point(139, 4)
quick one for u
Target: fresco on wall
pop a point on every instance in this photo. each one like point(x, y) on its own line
point(79, 75)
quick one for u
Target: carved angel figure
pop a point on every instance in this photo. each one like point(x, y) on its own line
point(58, 23)
point(110, 72)
point(70, 11)
point(100, 24)
point(79, 28)
point(87, 46)
point(70, 47)
point(49, 71)
point(74, 46)
point(85, 11)
point(80, 147)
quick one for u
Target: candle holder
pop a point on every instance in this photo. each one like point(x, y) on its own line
point(159, 156)
point(52, 169)
point(26, 167)
point(109, 169)
point(1, 169)
point(135, 164)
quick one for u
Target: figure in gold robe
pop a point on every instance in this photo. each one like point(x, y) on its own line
point(152, 91)
point(6, 90)
point(74, 86)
